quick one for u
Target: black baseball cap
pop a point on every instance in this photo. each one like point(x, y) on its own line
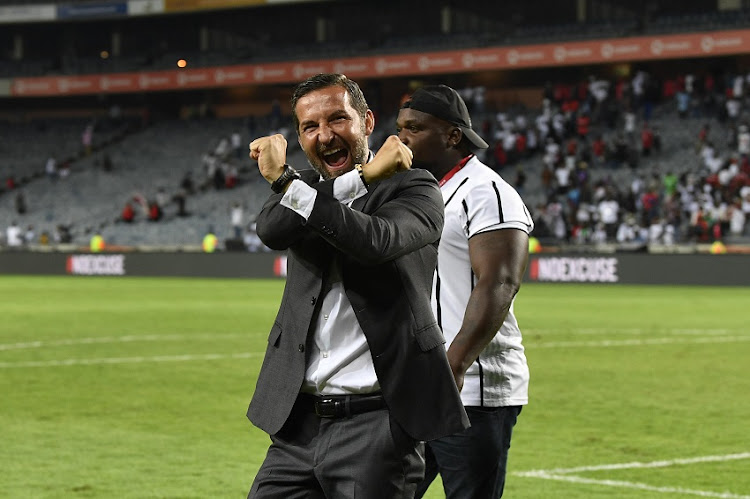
point(441, 101)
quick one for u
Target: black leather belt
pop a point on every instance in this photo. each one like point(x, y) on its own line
point(341, 406)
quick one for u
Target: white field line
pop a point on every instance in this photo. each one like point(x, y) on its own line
point(213, 336)
point(118, 339)
point(128, 360)
point(639, 342)
point(640, 486)
point(565, 475)
point(631, 331)
point(651, 464)
point(188, 358)
point(727, 337)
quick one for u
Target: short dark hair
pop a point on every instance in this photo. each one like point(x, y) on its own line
point(325, 80)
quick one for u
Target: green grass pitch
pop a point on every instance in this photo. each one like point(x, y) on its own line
point(137, 388)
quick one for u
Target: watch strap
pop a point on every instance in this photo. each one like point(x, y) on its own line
point(286, 176)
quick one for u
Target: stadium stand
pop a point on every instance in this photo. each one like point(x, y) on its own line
point(152, 157)
point(250, 34)
point(160, 155)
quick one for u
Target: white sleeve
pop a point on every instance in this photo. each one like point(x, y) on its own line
point(348, 187)
point(495, 205)
point(300, 198)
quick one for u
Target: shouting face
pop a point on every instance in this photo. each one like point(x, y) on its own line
point(331, 132)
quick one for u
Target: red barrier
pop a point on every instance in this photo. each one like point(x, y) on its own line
point(457, 61)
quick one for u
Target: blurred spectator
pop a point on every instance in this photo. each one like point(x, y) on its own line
point(232, 176)
point(223, 148)
point(733, 107)
point(210, 241)
point(599, 148)
point(128, 213)
point(703, 135)
point(629, 124)
point(154, 211)
point(599, 234)
point(670, 183)
point(562, 177)
point(520, 180)
point(63, 234)
point(236, 140)
point(13, 235)
point(219, 177)
point(29, 236)
point(187, 183)
point(87, 138)
point(181, 199)
point(20, 203)
point(743, 140)
point(582, 125)
point(656, 139)
point(50, 168)
point(237, 217)
point(699, 225)
point(252, 241)
point(546, 177)
point(737, 219)
point(647, 140)
point(609, 210)
point(64, 170)
point(627, 231)
point(107, 163)
point(683, 103)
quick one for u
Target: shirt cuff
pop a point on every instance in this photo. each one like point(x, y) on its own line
point(348, 187)
point(300, 198)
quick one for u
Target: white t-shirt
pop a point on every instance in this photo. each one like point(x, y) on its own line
point(478, 200)
point(608, 210)
point(13, 235)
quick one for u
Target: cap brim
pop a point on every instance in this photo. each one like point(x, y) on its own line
point(474, 138)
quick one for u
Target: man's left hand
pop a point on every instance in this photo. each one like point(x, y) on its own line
point(394, 156)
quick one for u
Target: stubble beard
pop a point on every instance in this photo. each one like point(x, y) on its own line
point(359, 153)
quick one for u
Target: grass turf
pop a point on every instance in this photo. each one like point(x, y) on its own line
point(137, 388)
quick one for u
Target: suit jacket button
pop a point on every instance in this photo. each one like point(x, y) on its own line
point(312, 301)
point(301, 347)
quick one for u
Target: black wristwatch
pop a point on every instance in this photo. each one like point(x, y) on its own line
point(286, 176)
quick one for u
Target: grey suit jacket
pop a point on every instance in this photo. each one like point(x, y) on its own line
point(386, 244)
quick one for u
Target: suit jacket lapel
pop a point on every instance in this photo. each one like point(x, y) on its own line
point(359, 203)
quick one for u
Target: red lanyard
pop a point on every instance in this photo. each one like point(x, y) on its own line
point(455, 170)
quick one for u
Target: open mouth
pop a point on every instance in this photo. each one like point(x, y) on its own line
point(336, 159)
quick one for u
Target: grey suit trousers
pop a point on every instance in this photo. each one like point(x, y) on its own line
point(366, 456)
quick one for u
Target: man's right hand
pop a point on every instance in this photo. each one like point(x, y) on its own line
point(394, 156)
point(270, 153)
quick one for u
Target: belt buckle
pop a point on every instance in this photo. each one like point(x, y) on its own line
point(326, 408)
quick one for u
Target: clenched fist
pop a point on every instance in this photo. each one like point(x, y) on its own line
point(270, 153)
point(394, 156)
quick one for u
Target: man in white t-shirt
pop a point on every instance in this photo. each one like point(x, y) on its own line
point(482, 258)
point(13, 235)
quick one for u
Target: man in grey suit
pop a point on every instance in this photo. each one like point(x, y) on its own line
point(355, 374)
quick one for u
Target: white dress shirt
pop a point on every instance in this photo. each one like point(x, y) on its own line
point(340, 361)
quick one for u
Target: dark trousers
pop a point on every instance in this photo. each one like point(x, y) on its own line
point(472, 463)
point(365, 456)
